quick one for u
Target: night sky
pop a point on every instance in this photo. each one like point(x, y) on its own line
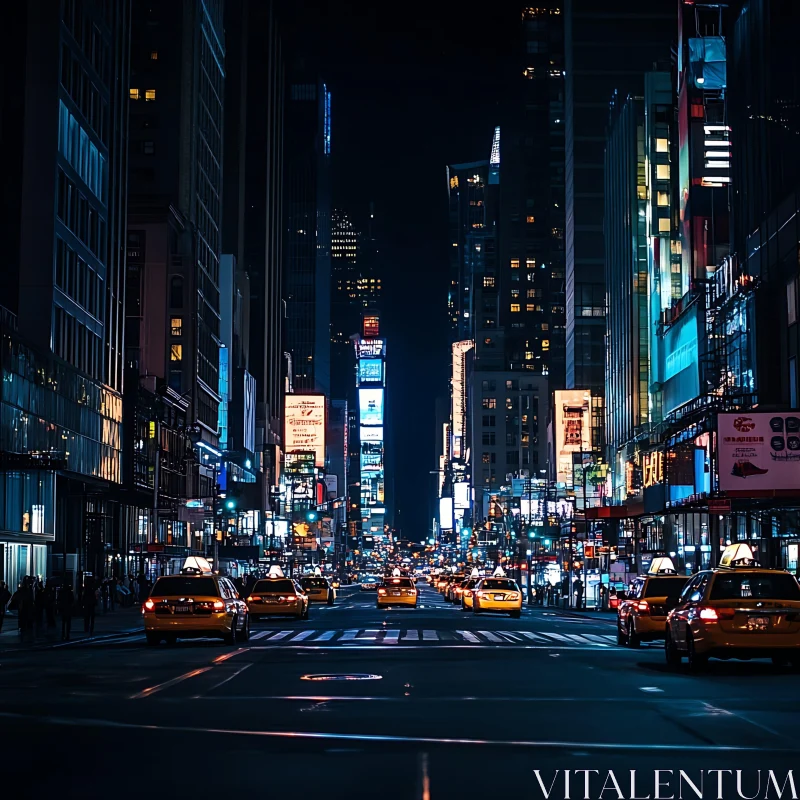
point(412, 91)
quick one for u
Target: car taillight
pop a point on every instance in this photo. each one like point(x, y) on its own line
point(149, 605)
point(381, 591)
point(643, 606)
point(250, 599)
point(513, 596)
point(218, 605)
point(713, 614)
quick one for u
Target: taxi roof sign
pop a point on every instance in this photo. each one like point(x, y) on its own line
point(738, 555)
point(662, 566)
point(474, 573)
point(395, 573)
point(197, 564)
point(317, 571)
point(498, 573)
point(275, 572)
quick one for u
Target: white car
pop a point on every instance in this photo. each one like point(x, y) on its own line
point(369, 584)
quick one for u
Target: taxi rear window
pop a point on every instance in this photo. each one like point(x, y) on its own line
point(665, 587)
point(283, 585)
point(314, 583)
point(499, 583)
point(761, 585)
point(403, 583)
point(182, 586)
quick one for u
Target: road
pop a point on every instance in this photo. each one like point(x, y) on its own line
point(446, 704)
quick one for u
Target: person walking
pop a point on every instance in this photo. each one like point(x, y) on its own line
point(89, 606)
point(66, 601)
point(23, 602)
point(50, 604)
point(5, 596)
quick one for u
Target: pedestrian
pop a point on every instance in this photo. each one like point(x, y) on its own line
point(104, 593)
point(38, 606)
point(66, 601)
point(89, 606)
point(112, 592)
point(23, 602)
point(50, 604)
point(578, 593)
point(5, 596)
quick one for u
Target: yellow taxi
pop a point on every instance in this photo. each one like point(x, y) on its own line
point(738, 610)
point(397, 591)
point(441, 583)
point(195, 603)
point(450, 591)
point(467, 591)
point(497, 594)
point(318, 589)
point(277, 596)
point(642, 615)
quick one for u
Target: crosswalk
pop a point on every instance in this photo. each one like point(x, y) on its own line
point(358, 637)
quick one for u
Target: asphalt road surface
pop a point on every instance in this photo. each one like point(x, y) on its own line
point(358, 702)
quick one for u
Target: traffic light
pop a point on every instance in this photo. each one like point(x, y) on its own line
point(230, 504)
point(311, 516)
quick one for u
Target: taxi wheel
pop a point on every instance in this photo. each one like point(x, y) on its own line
point(330, 599)
point(697, 662)
point(671, 652)
point(633, 639)
point(172, 640)
point(153, 639)
point(230, 638)
point(244, 633)
point(514, 614)
point(622, 639)
point(476, 609)
point(305, 614)
point(464, 607)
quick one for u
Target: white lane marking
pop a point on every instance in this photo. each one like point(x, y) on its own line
point(324, 637)
point(600, 639)
point(391, 637)
point(349, 635)
point(365, 638)
point(225, 680)
point(650, 689)
point(411, 636)
point(280, 635)
point(151, 690)
point(469, 636)
point(259, 635)
point(302, 635)
point(490, 636)
point(430, 636)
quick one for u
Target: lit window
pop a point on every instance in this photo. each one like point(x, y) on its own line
point(662, 172)
point(530, 263)
point(545, 344)
point(135, 94)
point(530, 219)
point(528, 355)
point(515, 307)
point(530, 307)
point(176, 352)
point(149, 94)
point(488, 283)
point(176, 326)
point(514, 263)
point(545, 326)
point(515, 292)
point(663, 225)
point(490, 402)
point(662, 146)
point(154, 55)
point(663, 198)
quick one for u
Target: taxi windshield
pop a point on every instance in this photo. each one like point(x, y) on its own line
point(281, 585)
point(182, 586)
point(404, 583)
point(760, 585)
point(314, 583)
point(665, 587)
point(499, 583)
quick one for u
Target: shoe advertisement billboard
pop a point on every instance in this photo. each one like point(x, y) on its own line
point(759, 452)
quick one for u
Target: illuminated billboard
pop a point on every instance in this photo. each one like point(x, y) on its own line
point(573, 429)
point(758, 452)
point(372, 434)
point(459, 397)
point(461, 495)
point(304, 424)
point(446, 513)
point(370, 406)
point(682, 361)
point(370, 370)
point(370, 348)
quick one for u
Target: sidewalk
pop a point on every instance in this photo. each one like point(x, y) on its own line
point(121, 622)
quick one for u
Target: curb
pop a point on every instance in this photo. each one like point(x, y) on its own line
point(18, 647)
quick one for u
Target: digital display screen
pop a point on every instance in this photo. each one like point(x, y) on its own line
point(370, 370)
point(370, 406)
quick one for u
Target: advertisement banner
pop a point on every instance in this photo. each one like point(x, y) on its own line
point(446, 513)
point(370, 370)
point(370, 406)
point(461, 495)
point(758, 452)
point(372, 434)
point(573, 430)
point(304, 424)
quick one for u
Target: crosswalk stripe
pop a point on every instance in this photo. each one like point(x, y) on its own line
point(302, 635)
point(349, 635)
point(391, 637)
point(535, 636)
point(280, 635)
point(259, 635)
point(576, 637)
point(324, 637)
point(469, 636)
point(490, 636)
point(411, 636)
point(511, 637)
point(557, 636)
point(608, 637)
point(430, 636)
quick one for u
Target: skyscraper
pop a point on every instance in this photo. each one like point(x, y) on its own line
point(307, 246)
point(346, 302)
point(63, 115)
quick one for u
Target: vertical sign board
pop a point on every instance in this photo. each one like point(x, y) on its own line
point(459, 399)
point(573, 430)
point(446, 513)
point(304, 424)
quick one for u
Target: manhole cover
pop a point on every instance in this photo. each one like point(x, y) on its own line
point(358, 676)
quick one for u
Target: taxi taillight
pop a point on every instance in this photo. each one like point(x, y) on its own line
point(643, 606)
point(381, 591)
point(149, 605)
point(250, 599)
point(218, 605)
point(714, 614)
